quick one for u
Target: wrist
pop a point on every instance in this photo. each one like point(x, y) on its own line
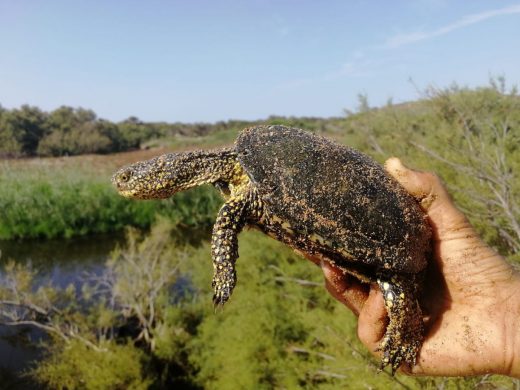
point(512, 329)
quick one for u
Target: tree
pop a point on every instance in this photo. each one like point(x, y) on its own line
point(76, 131)
point(21, 130)
point(134, 132)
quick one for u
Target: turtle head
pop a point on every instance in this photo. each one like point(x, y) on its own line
point(163, 176)
point(149, 179)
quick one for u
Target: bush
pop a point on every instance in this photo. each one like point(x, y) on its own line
point(47, 203)
point(119, 366)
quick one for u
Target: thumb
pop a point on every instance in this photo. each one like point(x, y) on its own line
point(445, 217)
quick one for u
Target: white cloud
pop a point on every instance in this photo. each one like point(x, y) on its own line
point(363, 63)
point(406, 39)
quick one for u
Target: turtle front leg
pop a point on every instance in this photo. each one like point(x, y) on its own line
point(224, 246)
point(404, 333)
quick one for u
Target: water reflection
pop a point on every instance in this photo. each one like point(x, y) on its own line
point(62, 262)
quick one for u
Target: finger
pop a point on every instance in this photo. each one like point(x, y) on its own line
point(372, 319)
point(434, 199)
point(425, 186)
point(345, 288)
point(456, 243)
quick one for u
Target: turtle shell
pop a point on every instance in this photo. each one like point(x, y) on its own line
point(336, 196)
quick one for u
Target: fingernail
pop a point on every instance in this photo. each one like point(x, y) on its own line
point(394, 162)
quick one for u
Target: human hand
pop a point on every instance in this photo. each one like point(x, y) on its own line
point(471, 296)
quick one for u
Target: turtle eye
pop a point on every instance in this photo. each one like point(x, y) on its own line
point(124, 177)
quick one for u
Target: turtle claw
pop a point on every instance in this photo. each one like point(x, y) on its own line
point(221, 296)
point(397, 352)
point(223, 287)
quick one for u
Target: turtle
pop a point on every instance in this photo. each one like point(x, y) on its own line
point(323, 199)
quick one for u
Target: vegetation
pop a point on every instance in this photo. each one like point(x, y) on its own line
point(469, 137)
point(47, 201)
point(28, 131)
point(147, 320)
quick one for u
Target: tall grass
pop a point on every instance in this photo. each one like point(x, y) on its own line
point(47, 202)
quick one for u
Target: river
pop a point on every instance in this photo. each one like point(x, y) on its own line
point(62, 261)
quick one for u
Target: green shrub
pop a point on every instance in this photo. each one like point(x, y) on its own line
point(48, 204)
point(118, 366)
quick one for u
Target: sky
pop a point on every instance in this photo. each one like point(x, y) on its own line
point(210, 60)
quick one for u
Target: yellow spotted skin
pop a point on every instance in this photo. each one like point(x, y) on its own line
point(324, 200)
point(400, 343)
point(165, 175)
point(232, 217)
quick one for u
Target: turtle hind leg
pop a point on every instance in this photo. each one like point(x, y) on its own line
point(404, 333)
